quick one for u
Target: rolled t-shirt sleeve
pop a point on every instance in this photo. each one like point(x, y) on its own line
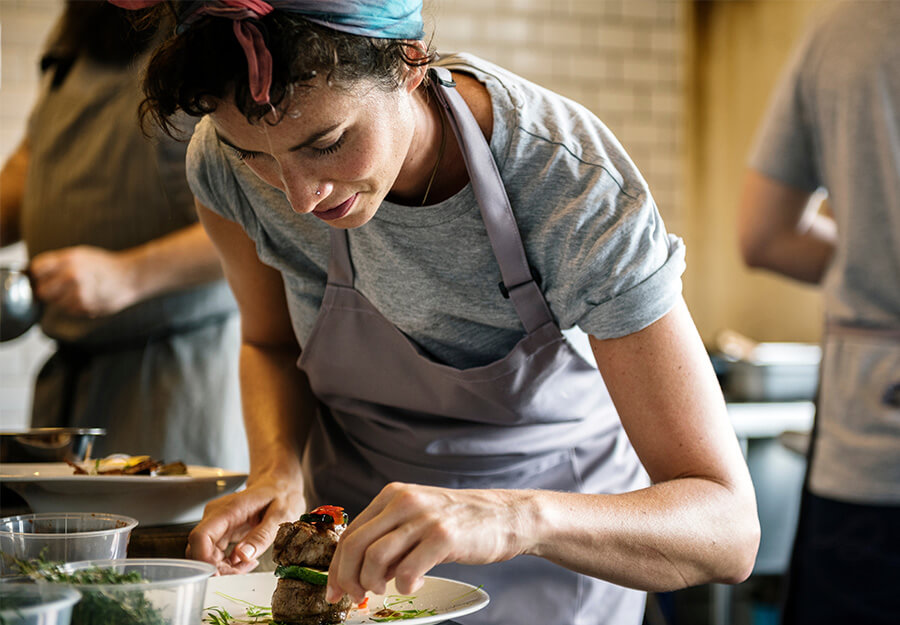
point(594, 233)
point(627, 274)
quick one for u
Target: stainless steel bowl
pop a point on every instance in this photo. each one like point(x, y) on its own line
point(19, 308)
point(48, 444)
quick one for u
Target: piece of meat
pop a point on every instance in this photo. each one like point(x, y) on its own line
point(304, 544)
point(301, 603)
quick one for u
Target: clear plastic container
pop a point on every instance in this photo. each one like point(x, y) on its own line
point(64, 537)
point(172, 593)
point(36, 604)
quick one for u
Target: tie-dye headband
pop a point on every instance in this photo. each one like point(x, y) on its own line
point(384, 19)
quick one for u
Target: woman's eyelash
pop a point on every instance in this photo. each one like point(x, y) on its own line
point(241, 154)
point(334, 147)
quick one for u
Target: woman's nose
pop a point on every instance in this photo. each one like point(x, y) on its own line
point(305, 196)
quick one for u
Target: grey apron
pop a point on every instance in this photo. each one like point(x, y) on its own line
point(847, 553)
point(540, 417)
point(161, 375)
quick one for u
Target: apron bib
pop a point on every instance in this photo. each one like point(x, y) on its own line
point(540, 417)
point(846, 547)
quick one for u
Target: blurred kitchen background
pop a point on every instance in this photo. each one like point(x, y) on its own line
point(683, 84)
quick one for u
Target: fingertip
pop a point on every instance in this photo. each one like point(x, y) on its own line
point(247, 551)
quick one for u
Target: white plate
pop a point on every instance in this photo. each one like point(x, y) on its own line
point(152, 500)
point(446, 597)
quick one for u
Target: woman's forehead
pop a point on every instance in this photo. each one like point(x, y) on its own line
point(319, 97)
point(313, 109)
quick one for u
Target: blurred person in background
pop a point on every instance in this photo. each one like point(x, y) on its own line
point(834, 123)
point(146, 330)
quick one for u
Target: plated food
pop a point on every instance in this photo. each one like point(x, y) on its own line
point(122, 464)
point(151, 499)
point(302, 552)
point(247, 598)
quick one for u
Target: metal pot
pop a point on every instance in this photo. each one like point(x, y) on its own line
point(48, 444)
point(19, 308)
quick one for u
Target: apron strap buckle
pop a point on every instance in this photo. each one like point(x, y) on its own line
point(504, 290)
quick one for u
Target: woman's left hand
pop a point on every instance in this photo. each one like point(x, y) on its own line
point(408, 529)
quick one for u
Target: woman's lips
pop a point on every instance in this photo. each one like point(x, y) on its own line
point(338, 211)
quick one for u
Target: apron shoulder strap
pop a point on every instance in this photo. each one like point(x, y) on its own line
point(493, 202)
point(340, 267)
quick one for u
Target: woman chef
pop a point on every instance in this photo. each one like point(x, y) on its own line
point(413, 235)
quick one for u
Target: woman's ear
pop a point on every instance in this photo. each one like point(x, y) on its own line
point(417, 52)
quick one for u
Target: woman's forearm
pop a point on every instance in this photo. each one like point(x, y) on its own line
point(278, 410)
point(671, 535)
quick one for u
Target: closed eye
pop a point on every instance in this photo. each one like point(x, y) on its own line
point(331, 149)
point(243, 155)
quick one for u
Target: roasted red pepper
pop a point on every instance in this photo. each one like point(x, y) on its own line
point(335, 512)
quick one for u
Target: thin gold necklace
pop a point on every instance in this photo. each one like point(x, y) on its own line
point(440, 156)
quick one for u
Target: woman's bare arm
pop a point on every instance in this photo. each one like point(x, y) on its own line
point(278, 408)
point(697, 523)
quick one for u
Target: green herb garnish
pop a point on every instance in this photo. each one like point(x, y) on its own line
point(106, 607)
point(217, 615)
point(389, 614)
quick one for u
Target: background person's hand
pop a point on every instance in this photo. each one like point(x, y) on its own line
point(408, 529)
point(249, 518)
point(84, 281)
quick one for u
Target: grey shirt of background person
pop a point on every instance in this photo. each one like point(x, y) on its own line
point(834, 122)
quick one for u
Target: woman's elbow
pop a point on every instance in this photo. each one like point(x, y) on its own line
point(743, 554)
point(738, 556)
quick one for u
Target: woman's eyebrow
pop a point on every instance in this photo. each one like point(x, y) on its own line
point(309, 141)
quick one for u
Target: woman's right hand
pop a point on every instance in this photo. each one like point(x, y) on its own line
point(249, 518)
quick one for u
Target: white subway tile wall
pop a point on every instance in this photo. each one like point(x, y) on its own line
point(623, 59)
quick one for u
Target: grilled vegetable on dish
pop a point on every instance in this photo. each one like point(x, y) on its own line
point(302, 552)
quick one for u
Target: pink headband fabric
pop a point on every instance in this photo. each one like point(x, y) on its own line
point(259, 59)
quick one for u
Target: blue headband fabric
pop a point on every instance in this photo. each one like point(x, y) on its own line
point(384, 19)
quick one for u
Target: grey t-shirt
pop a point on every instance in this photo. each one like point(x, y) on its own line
point(589, 224)
point(834, 122)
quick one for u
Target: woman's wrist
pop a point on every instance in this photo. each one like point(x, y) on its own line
point(528, 521)
point(276, 470)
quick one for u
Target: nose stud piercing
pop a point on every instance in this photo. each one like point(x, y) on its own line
point(318, 192)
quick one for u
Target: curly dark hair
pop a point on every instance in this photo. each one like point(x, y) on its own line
point(193, 70)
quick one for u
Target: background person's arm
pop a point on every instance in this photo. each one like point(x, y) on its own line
point(12, 191)
point(776, 232)
point(90, 281)
point(278, 408)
